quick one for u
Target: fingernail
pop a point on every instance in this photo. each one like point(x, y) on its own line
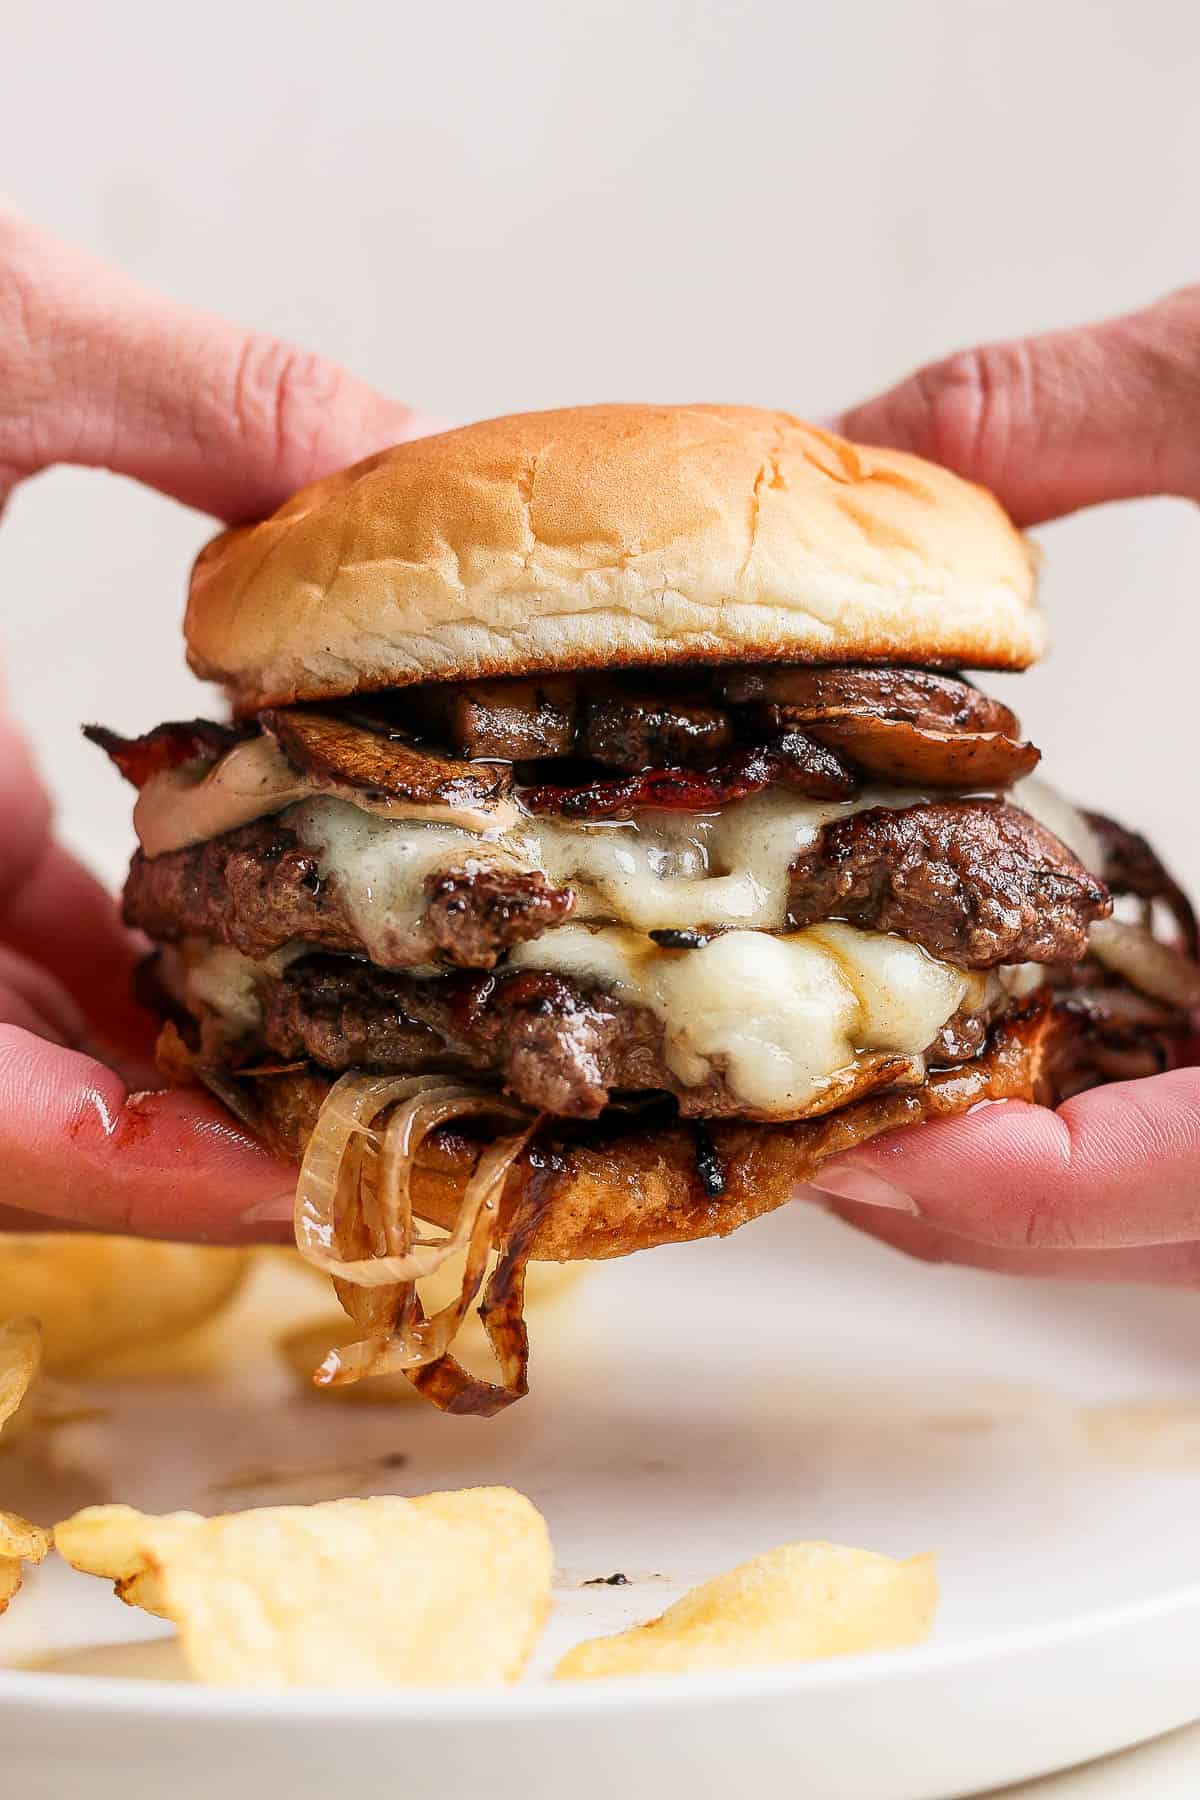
point(276, 1211)
point(853, 1182)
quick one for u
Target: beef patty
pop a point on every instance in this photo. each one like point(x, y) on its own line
point(975, 882)
point(259, 888)
point(556, 1045)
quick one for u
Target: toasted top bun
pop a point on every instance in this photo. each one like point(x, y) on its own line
point(607, 535)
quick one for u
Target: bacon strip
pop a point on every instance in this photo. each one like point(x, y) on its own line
point(793, 760)
point(168, 746)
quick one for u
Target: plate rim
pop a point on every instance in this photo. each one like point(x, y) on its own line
point(122, 1695)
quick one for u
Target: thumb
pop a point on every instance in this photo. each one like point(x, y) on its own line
point(1061, 421)
point(96, 370)
point(1116, 1167)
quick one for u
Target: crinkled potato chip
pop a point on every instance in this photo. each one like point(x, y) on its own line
point(97, 1296)
point(274, 1295)
point(114, 1541)
point(20, 1360)
point(445, 1590)
point(795, 1604)
point(306, 1346)
point(20, 1542)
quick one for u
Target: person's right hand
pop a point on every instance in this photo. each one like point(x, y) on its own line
point(95, 370)
point(1108, 1187)
point(1059, 422)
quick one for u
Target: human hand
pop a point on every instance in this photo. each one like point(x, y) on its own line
point(96, 371)
point(1108, 1187)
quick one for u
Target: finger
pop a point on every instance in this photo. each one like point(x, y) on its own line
point(69, 943)
point(96, 370)
point(1165, 1265)
point(77, 1146)
point(31, 997)
point(25, 811)
point(64, 920)
point(270, 1230)
point(1061, 421)
point(13, 1219)
point(1115, 1168)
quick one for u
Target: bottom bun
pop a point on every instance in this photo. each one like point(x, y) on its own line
point(585, 1191)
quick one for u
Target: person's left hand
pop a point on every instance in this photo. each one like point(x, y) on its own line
point(96, 371)
point(1107, 1188)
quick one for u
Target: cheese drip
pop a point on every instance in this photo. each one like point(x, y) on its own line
point(183, 806)
point(781, 1015)
point(662, 871)
point(778, 1016)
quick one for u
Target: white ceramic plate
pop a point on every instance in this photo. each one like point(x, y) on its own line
point(703, 1404)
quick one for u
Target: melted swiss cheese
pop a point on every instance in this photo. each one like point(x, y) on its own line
point(662, 871)
point(779, 1014)
point(779, 1017)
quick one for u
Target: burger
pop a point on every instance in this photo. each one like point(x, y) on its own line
point(602, 834)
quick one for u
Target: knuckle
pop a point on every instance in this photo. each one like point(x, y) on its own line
point(1153, 359)
point(1048, 1227)
point(1181, 308)
point(974, 402)
point(284, 399)
point(26, 408)
point(1164, 345)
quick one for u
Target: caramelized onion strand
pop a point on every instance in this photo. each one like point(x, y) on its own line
point(1159, 970)
point(355, 1221)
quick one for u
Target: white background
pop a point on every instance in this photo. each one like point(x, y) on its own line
point(483, 207)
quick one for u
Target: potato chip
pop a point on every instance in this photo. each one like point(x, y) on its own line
point(19, 1542)
point(276, 1292)
point(795, 1604)
point(275, 1295)
point(97, 1296)
point(10, 1581)
point(112, 1541)
point(305, 1347)
point(448, 1589)
point(20, 1360)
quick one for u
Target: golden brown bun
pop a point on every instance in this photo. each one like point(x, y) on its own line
point(610, 1191)
point(610, 535)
